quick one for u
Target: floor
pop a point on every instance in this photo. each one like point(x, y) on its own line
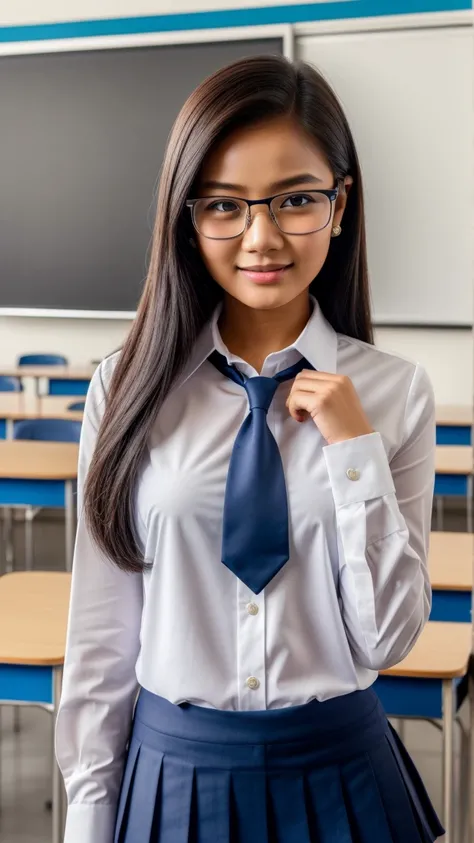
point(25, 757)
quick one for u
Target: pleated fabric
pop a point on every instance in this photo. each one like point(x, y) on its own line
point(331, 772)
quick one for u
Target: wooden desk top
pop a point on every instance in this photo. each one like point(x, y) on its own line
point(19, 405)
point(56, 407)
point(38, 460)
point(454, 459)
point(451, 561)
point(65, 372)
point(34, 609)
point(460, 415)
point(441, 652)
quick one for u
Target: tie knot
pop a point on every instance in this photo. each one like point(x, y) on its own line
point(260, 392)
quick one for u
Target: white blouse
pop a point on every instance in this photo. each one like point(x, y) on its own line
point(351, 600)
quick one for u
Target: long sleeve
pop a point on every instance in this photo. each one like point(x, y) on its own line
point(383, 513)
point(99, 685)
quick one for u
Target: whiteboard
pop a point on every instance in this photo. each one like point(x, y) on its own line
point(408, 96)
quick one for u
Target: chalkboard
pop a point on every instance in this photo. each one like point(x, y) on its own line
point(81, 145)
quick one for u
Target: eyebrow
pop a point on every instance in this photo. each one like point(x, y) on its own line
point(292, 181)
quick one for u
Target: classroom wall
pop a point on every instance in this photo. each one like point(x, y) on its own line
point(447, 354)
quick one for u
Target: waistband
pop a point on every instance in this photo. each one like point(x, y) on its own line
point(333, 729)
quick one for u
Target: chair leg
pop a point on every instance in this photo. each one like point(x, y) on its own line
point(29, 515)
point(8, 540)
point(439, 512)
point(16, 719)
point(463, 784)
point(448, 759)
point(469, 504)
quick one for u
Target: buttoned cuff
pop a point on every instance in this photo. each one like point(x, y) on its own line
point(90, 823)
point(358, 469)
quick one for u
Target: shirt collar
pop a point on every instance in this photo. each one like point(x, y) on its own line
point(317, 343)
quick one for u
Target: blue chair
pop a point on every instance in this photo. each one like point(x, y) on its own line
point(43, 430)
point(78, 406)
point(42, 360)
point(48, 430)
point(8, 384)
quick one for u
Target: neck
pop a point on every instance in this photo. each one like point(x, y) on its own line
point(253, 334)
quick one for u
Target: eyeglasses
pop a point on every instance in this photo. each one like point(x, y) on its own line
point(226, 217)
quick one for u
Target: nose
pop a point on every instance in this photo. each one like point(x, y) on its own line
point(262, 233)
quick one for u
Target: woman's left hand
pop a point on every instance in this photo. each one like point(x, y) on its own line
point(332, 402)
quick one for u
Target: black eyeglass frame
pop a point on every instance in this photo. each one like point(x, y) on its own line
point(330, 193)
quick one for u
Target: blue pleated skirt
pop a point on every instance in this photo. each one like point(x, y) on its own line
point(325, 772)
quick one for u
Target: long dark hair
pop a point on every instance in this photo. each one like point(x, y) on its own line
point(180, 295)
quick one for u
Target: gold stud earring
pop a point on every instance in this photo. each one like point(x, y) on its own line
point(336, 230)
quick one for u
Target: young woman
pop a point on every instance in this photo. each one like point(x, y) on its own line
point(255, 496)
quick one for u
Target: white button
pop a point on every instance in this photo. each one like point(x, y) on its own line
point(252, 608)
point(253, 683)
point(353, 473)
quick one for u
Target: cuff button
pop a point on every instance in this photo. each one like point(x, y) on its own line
point(353, 473)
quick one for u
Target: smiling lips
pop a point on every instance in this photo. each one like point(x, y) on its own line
point(268, 267)
point(265, 274)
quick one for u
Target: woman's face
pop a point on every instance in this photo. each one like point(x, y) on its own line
point(252, 163)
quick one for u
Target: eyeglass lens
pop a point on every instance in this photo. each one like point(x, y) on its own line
point(296, 213)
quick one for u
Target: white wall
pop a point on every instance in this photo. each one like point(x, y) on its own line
point(80, 340)
point(446, 354)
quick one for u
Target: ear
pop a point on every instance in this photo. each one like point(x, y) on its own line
point(341, 201)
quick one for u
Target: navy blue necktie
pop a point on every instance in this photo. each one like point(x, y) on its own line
point(255, 543)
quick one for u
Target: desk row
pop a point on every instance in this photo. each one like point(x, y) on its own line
point(43, 474)
point(453, 424)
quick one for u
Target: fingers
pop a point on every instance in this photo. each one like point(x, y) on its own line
point(308, 385)
point(320, 376)
point(302, 404)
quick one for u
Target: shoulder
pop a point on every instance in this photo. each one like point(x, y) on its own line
point(396, 379)
point(98, 389)
point(357, 355)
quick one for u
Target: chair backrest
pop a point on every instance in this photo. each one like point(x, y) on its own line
point(42, 360)
point(77, 405)
point(8, 384)
point(48, 430)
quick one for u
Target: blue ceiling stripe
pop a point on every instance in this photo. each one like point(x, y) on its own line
point(294, 13)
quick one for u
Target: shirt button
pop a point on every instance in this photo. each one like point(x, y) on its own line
point(252, 608)
point(353, 473)
point(253, 683)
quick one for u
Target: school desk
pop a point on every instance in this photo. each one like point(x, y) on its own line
point(33, 621)
point(16, 406)
point(431, 684)
point(450, 564)
point(40, 474)
point(454, 476)
point(62, 380)
point(454, 424)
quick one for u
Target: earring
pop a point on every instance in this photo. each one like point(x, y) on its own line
point(193, 242)
point(336, 230)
